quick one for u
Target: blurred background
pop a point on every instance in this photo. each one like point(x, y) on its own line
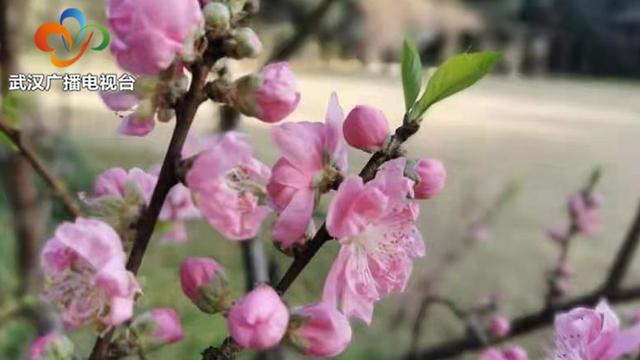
point(564, 99)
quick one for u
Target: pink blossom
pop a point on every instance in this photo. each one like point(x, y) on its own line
point(593, 334)
point(115, 182)
point(375, 225)
point(203, 282)
point(140, 117)
point(134, 125)
point(313, 157)
point(499, 326)
point(119, 100)
point(557, 235)
point(585, 211)
point(84, 265)
point(177, 208)
point(512, 352)
point(228, 185)
point(322, 330)
point(148, 35)
point(270, 95)
point(45, 346)
point(433, 177)
point(366, 128)
point(259, 320)
point(166, 326)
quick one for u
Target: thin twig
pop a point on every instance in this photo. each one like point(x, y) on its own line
point(38, 165)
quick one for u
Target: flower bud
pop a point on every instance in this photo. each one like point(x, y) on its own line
point(433, 177)
point(515, 352)
point(270, 95)
point(259, 320)
point(499, 326)
point(248, 44)
point(51, 346)
point(319, 330)
point(203, 282)
point(161, 326)
point(556, 235)
point(217, 16)
point(366, 128)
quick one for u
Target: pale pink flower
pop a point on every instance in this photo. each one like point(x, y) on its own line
point(366, 128)
point(270, 95)
point(115, 182)
point(139, 119)
point(167, 328)
point(313, 157)
point(44, 347)
point(433, 177)
point(228, 186)
point(585, 211)
point(149, 34)
point(375, 224)
point(499, 326)
point(259, 320)
point(204, 283)
point(593, 334)
point(320, 330)
point(84, 266)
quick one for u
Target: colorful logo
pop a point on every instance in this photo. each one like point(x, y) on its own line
point(77, 44)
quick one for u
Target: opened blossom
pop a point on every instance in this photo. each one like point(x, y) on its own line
point(313, 158)
point(375, 225)
point(259, 320)
point(148, 35)
point(319, 330)
point(228, 185)
point(593, 334)
point(86, 278)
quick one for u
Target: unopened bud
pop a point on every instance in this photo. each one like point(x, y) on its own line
point(248, 44)
point(366, 128)
point(204, 283)
point(159, 326)
point(217, 16)
point(54, 346)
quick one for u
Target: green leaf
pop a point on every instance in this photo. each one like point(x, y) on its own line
point(456, 74)
point(411, 73)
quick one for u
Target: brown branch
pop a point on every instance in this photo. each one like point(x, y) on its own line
point(186, 109)
point(305, 28)
point(523, 324)
point(538, 319)
point(626, 252)
point(38, 165)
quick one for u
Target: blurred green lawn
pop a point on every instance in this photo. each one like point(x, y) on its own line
point(546, 134)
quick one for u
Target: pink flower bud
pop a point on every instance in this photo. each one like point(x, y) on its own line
point(147, 35)
point(515, 352)
point(491, 354)
point(204, 283)
point(366, 128)
point(269, 96)
point(499, 326)
point(259, 320)
point(556, 235)
point(49, 346)
point(432, 176)
point(166, 326)
point(320, 330)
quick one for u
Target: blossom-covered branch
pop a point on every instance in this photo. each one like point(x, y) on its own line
point(38, 165)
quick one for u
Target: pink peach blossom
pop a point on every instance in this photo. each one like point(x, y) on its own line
point(375, 225)
point(323, 330)
point(270, 95)
point(140, 115)
point(228, 185)
point(52, 344)
point(84, 267)
point(366, 128)
point(167, 328)
point(593, 334)
point(433, 177)
point(313, 155)
point(259, 320)
point(149, 34)
point(499, 326)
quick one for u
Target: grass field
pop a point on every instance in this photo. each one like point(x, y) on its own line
point(545, 134)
